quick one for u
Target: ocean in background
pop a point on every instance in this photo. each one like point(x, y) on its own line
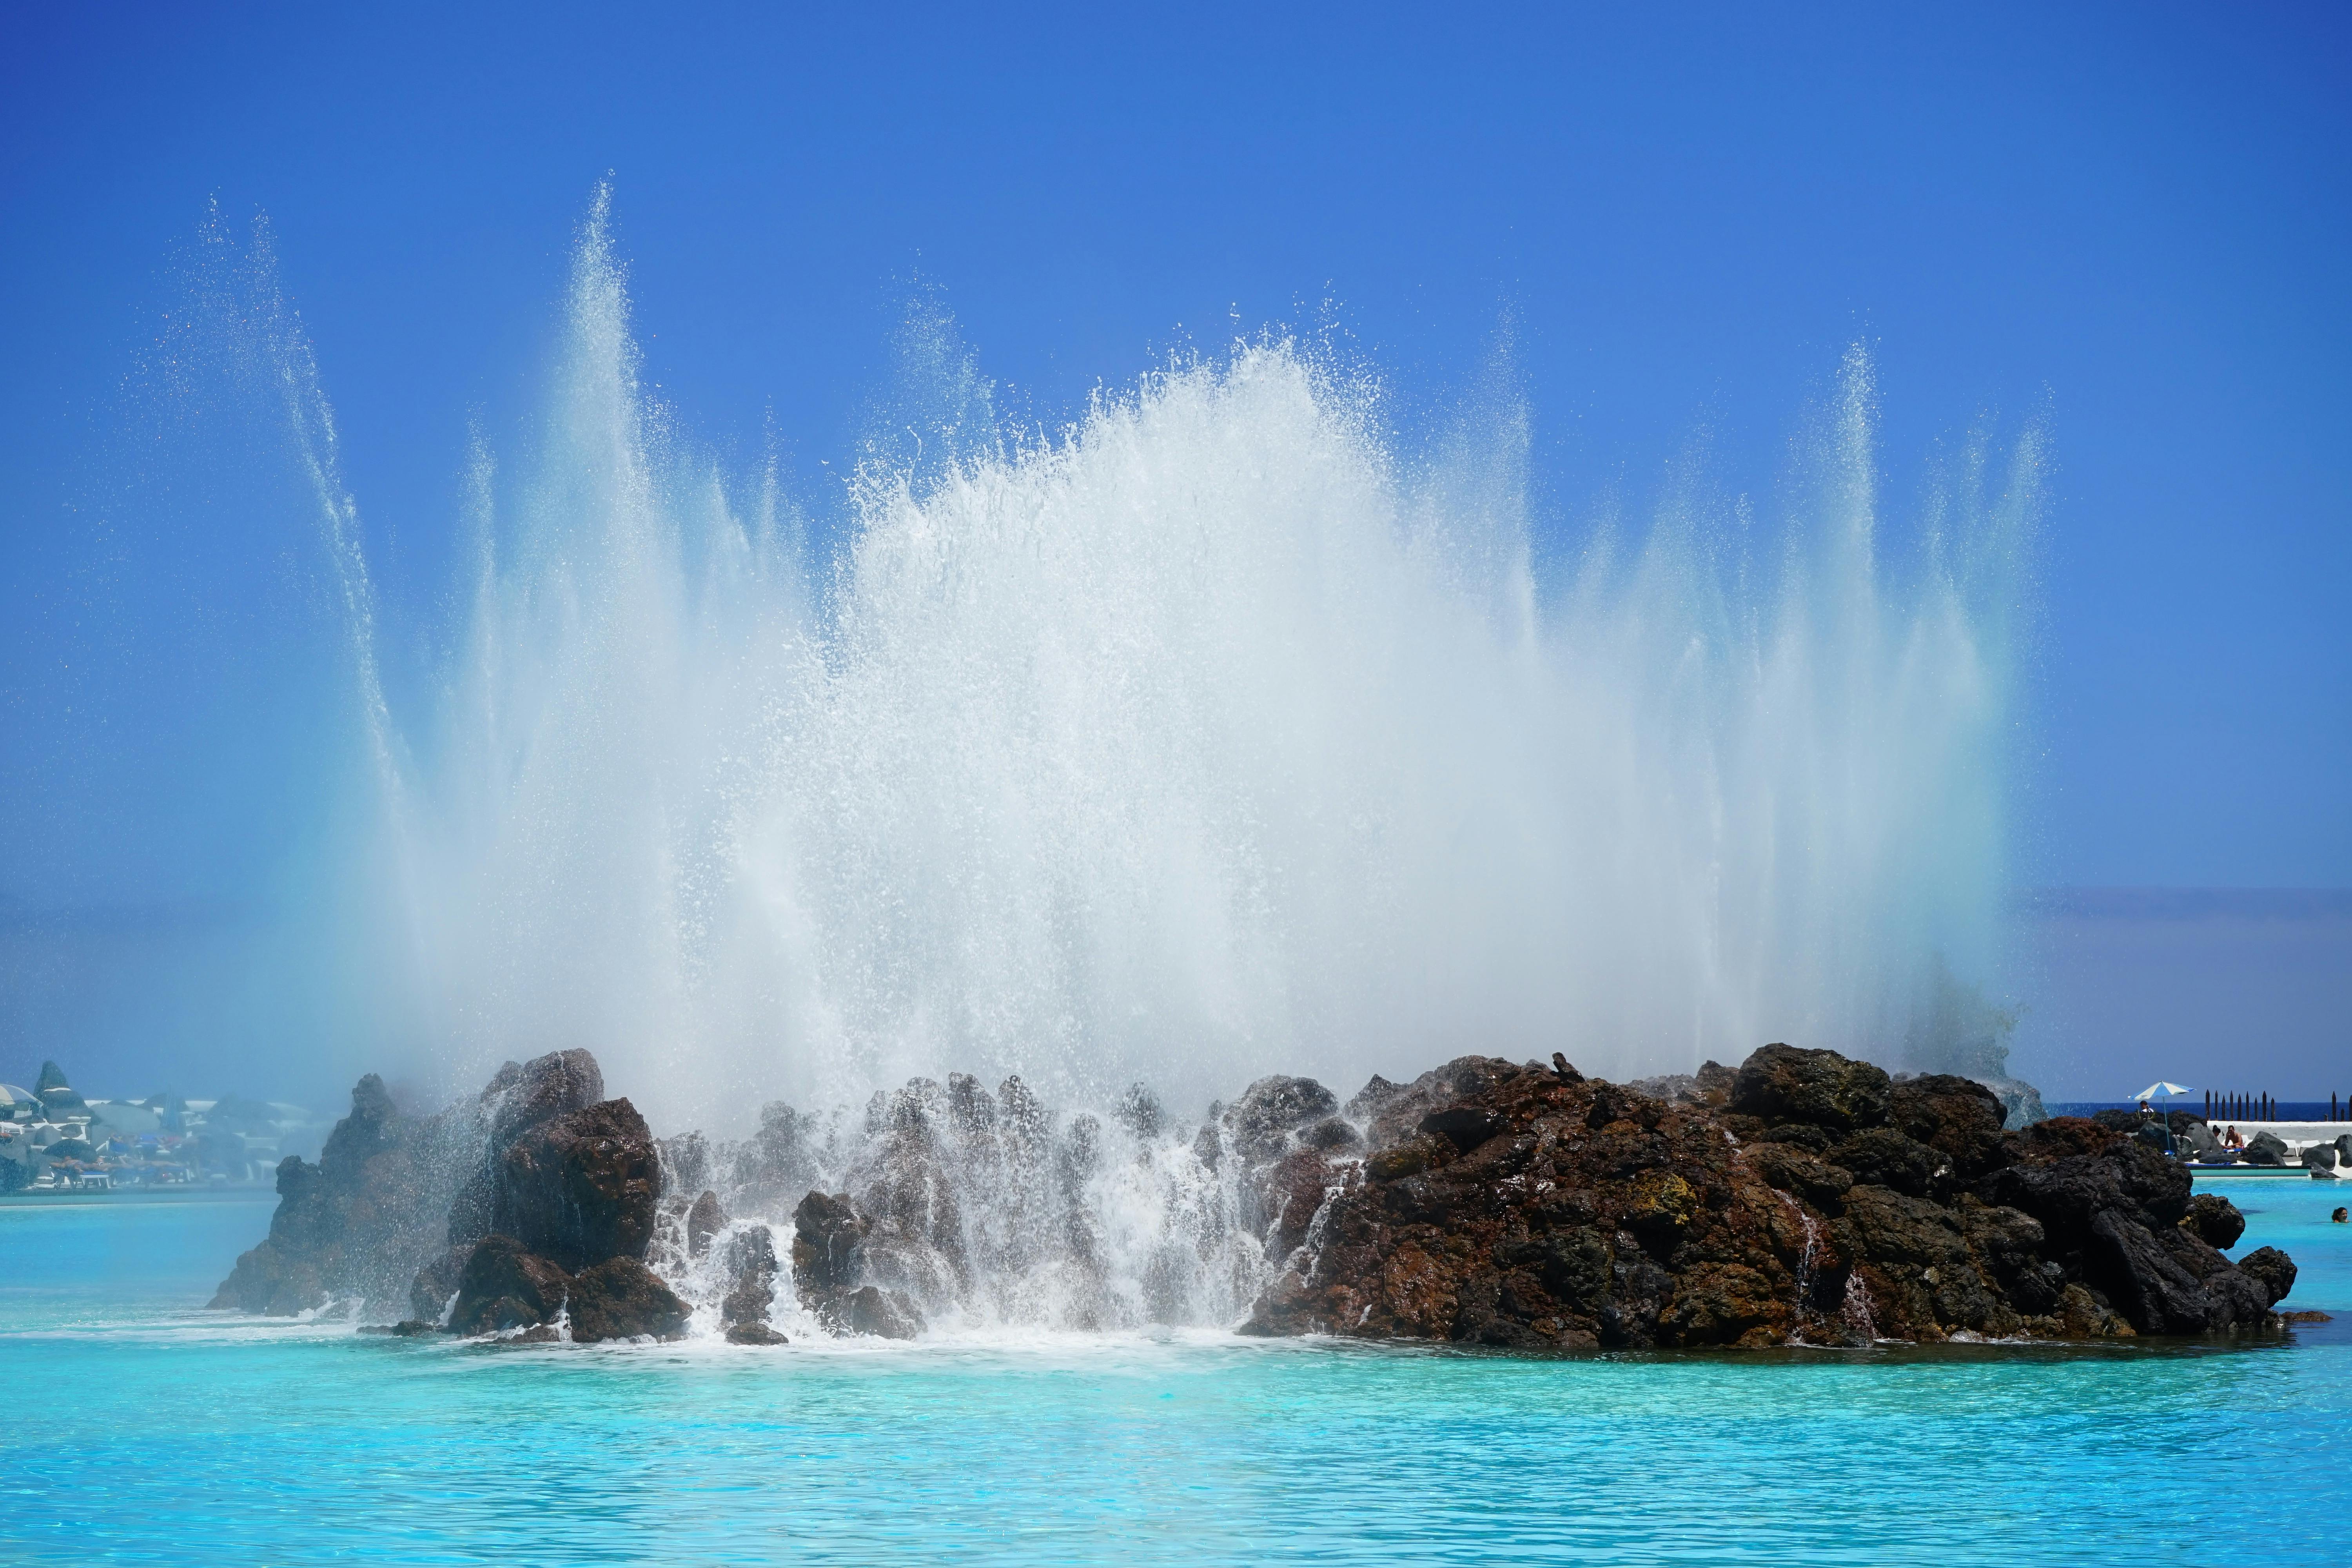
point(145, 1429)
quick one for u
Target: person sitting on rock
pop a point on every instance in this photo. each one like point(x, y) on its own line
point(2231, 1139)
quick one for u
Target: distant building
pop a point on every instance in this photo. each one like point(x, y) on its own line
point(51, 1139)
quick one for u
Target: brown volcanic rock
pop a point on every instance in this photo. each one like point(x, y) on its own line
point(505, 1287)
point(1531, 1207)
point(519, 1096)
point(580, 1187)
point(1783, 1083)
point(621, 1299)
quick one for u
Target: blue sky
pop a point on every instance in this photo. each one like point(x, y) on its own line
point(2128, 221)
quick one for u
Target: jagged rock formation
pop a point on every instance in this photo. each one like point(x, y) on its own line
point(527, 1206)
point(752, 1265)
point(580, 1188)
point(1805, 1197)
point(706, 1219)
point(1823, 1203)
point(621, 1299)
point(357, 1223)
point(519, 1098)
point(829, 1269)
point(576, 1191)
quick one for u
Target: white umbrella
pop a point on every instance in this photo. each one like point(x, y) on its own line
point(2160, 1090)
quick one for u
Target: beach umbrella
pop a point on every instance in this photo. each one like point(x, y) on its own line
point(2160, 1090)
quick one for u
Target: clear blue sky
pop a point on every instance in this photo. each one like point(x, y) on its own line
point(2129, 220)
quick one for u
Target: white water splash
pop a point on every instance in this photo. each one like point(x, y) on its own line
point(1212, 737)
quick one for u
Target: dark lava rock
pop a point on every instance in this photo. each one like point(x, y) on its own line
point(1782, 1083)
point(830, 1238)
point(1823, 1202)
point(407, 1329)
point(357, 1223)
point(1463, 1126)
point(2319, 1157)
point(751, 1259)
point(1794, 1170)
point(621, 1299)
point(582, 1187)
point(1260, 1122)
point(886, 1314)
point(437, 1282)
point(1884, 1157)
point(1331, 1132)
point(1800, 1135)
point(2266, 1148)
point(2273, 1269)
point(519, 1096)
point(1369, 1099)
point(755, 1334)
point(504, 1286)
point(2215, 1219)
point(1710, 1086)
point(703, 1221)
point(829, 1232)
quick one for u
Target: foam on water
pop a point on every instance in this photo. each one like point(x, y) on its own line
point(1221, 733)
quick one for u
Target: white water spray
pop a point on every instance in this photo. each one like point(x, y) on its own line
point(1213, 737)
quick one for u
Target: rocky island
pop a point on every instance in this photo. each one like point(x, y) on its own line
point(1806, 1199)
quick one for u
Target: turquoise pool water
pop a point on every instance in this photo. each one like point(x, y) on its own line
point(142, 1430)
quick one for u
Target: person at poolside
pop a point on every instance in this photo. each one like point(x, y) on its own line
point(2232, 1140)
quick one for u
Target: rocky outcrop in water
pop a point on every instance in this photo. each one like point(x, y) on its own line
point(356, 1225)
point(830, 1265)
point(575, 1192)
point(1804, 1197)
point(751, 1267)
point(580, 1187)
point(526, 1207)
point(1819, 1201)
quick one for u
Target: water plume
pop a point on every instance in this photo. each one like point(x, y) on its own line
point(1221, 733)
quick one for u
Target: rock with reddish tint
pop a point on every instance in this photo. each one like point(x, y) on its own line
point(621, 1299)
point(519, 1096)
point(505, 1287)
point(1817, 1200)
point(832, 1234)
point(580, 1187)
